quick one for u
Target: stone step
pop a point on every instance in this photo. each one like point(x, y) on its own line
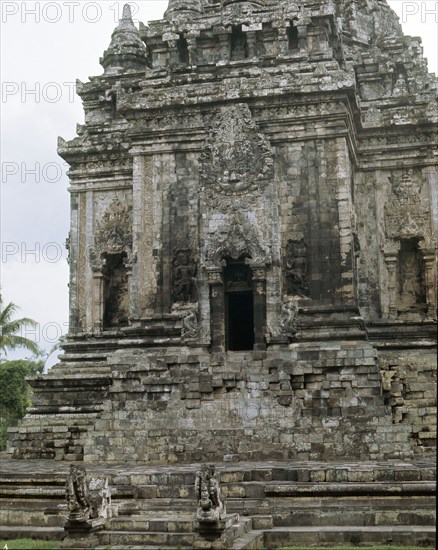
point(253, 540)
point(175, 533)
point(144, 538)
point(39, 513)
point(339, 513)
point(31, 532)
point(169, 523)
point(324, 536)
point(353, 473)
point(20, 493)
point(353, 489)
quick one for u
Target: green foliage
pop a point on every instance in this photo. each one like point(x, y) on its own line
point(15, 392)
point(355, 548)
point(9, 327)
point(30, 544)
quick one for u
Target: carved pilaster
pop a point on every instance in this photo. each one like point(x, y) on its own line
point(429, 260)
point(217, 310)
point(224, 45)
point(283, 42)
point(192, 47)
point(251, 37)
point(98, 301)
point(259, 300)
point(391, 259)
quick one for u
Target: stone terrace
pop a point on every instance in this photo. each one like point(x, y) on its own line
point(270, 503)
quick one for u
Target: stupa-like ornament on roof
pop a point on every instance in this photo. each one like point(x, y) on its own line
point(252, 253)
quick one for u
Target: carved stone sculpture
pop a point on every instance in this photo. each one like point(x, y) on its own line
point(297, 268)
point(88, 499)
point(288, 322)
point(211, 504)
point(184, 277)
point(190, 328)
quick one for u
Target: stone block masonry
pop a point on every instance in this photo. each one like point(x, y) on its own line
point(252, 245)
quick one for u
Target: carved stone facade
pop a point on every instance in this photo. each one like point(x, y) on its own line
point(251, 238)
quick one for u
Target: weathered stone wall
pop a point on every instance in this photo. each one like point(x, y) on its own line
point(293, 144)
point(311, 402)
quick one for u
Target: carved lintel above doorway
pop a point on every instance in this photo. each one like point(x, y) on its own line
point(236, 239)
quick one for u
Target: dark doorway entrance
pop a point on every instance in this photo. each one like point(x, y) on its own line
point(240, 321)
point(239, 306)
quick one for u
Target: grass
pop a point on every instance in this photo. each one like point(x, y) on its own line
point(30, 544)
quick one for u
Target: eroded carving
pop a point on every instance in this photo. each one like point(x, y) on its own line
point(88, 499)
point(237, 239)
point(184, 277)
point(405, 216)
point(237, 158)
point(288, 320)
point(297, 266)
point(114, 230)
point(211, 503)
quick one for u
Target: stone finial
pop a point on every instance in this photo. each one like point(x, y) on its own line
point(127, 50)
point(183, 9)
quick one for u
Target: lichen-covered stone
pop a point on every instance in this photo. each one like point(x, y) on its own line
point(252, 249)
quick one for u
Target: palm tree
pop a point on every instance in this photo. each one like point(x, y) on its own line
point(9, 340)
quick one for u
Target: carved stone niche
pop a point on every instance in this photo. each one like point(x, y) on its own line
point(408, 253)
point(411, 278)
point(111, 262)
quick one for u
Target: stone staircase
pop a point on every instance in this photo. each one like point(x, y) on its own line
point(269, 504)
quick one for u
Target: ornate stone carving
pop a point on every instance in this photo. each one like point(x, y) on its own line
point(407, 224)
point(288, 321)
point(238, 278)
point(88, 499)
point(237, 158)
point(113, 232)
point(188, 312)
point(211, 503)
point(190, 328)
point(405, 216)
point(296, 268)
point(184, 276)
point(234, 240)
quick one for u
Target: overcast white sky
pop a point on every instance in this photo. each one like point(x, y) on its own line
point(45, 46)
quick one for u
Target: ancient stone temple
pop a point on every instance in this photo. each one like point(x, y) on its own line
point(252, 254)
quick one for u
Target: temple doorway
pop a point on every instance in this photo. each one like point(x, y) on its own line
point(239, 307)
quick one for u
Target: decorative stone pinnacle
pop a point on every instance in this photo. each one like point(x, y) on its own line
point(183, 8)
point(127, 12)
point(126, 51)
